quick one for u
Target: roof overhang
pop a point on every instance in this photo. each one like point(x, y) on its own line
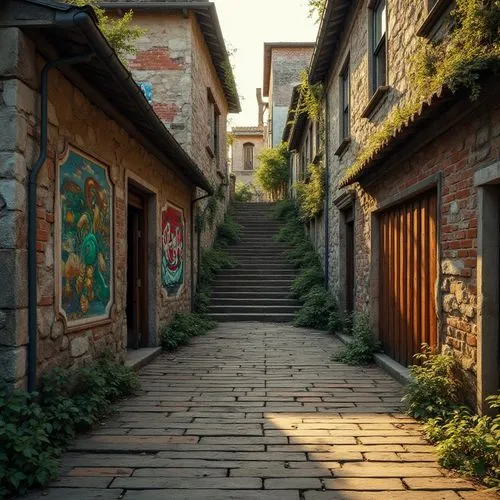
point(436, 115)
point(331, 27)
point(61, 30)
point(268, 50)
point(296, 122)
point(206, 15)
point(247, 131)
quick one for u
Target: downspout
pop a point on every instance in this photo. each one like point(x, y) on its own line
point(32, 271)
point(327, 190)
point(193, 284)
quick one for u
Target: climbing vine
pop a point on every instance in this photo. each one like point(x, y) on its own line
point(456, 61)
point(310, 194)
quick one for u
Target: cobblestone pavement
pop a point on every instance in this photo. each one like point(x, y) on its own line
point(258, 411)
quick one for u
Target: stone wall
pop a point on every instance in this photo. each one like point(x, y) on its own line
point(237, 165)
point(75, 121)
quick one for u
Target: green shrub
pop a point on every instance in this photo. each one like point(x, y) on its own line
point(302, 255)
point(435, 385)
point(244, 192)
point(311, 193)
point(306, 281)
point(318, 305)
point(202, 299)
point(284, 209)
point(363, 344)
point(291, 232)
point(36, 428)
point(469, 443)
point(229, 232)
point(213, 260)
point(339, 322)
point(182, 328)
point(273, 173)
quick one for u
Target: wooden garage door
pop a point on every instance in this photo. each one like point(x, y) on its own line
point(408, 273)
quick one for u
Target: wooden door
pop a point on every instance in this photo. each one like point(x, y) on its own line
point(137, 300)
point(407, 277)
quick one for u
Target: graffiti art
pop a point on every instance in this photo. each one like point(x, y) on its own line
point(85, 201)
point(172, 255)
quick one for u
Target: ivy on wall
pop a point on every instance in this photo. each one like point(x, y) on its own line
point(311, 193)
point(457, 61)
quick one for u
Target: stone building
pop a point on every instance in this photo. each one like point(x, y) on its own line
point(417, 223)
point(183, 66)
point(96, 198)
point(283, 64)
point(246, 145)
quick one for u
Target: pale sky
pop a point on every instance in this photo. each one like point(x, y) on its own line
point(246, 25)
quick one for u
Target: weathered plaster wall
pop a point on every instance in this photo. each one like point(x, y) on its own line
point(72, 120)
point(237, 166)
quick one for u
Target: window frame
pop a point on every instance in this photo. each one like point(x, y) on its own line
point(345, 107)
point(213, 138)
point(248, 146)
point(378, 79)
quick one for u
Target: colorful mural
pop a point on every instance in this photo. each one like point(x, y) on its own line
point(86, 240)
point(172, 255)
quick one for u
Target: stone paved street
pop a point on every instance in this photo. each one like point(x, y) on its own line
point(258, 411)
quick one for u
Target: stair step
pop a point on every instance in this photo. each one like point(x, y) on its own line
point(264, 317)
point(252, 309)
point(249, 295)
point(252, 288)
point(254, 301)
point(274, 271)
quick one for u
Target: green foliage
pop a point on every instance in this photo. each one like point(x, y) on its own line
point(120, 32)
point(273, 174)
point(318, 305)
point(229, 232)
point(363, 344)
point(311, 193)
point(202, 299)
point(472, 46)
point(316, 8)
point(283, 209)
point(36, 428)
point(302, 255)
point(244, 192)
point(465, 442)
point(182, 328)
point(212, 260)
point(306, 280)
point(469, 443)
point(435, 385)
point(311, 97)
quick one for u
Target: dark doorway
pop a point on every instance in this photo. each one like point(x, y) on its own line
point(137, 286)
point(349, 259)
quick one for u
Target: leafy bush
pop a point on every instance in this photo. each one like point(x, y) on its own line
point(213, 260)
point(311, 193)
point(36, 428)
point(182, 328)
point(243, 193)
point(318, 305)
point(363, 344)
point(283, 209)
point(306, 281)
point(229, 232)
point(434, 388)
point(272, 174)
point(202, 299)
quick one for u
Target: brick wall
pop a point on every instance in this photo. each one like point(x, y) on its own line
point(72, 120)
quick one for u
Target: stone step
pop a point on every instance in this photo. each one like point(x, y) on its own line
point(259, 294)
point(263, 317)
point(248, 278)
point(223, 273)
point(229, 309)
point(254, 301)
point(277, 266)
point(250, 288)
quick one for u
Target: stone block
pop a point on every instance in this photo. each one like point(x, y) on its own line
point(12, 166)
point(17, 94)
point(79, 346)
point(14, 278)
point(13, 230)
point(452, 267)
point(17, 56)
point(14, 194)
point(13, 327)
point(14, 129)
point(13, 362)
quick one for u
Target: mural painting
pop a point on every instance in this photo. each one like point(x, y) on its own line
point(86, 240)
point(172, 254)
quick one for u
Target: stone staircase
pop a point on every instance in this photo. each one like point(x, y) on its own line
point(258, 289)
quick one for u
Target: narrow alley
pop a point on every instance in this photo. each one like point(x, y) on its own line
point(258, 411)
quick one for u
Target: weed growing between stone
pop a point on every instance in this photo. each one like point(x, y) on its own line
point(36, 428)
point(182, 328)
point(363, 344)
point(465, 442)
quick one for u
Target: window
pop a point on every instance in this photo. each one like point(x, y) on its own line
point(378, 43)
point(345, 100)
point(248, 149)
point(213, 127)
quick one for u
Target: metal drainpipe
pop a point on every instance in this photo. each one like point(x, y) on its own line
point(32, 271)
point(193, 284)
point(327, 190)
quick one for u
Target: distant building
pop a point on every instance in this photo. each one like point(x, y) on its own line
point(283, 65)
